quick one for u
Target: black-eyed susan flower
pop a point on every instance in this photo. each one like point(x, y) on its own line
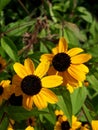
point(31, 84)
point(94, 124)
point(2, 64)
point(68, 64)
point(63, 124)
point(4, 90)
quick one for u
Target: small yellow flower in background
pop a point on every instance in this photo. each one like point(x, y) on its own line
point(94, 124)
point(63, 124)
point(68, 64)
point(30, 83)
point(2, 64)
point(29, 128)
point(4, 90)
point(11, 123)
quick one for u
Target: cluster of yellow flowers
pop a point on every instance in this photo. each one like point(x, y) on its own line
point(32, 85)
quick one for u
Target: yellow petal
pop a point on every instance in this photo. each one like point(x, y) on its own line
point(20, 70)
point(76, 72)
point(46, 57)
point(29, 128)
point(39, 101)
point(52, 81)
point(16, 80)
point(28, 63)
point(79, 59)
point(70, 88)
point(55, 50)
point(84, 68)
point(74, 51)
point(94, 124)
point(75, 124)
point(29, 102)
point(42, 69)
point(67, 78)
point(49, 96)
point(62, 45)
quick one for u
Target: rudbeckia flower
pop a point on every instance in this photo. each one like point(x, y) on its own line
point(63, 124)
point(4, 90)
point(2, 64)
point(68, 64)
point(31, 84)
point(94, 124)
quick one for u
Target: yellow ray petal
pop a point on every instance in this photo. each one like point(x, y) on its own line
point(28, 63)
point(39, 101)
point(55, 50)
point(62, 46)
point(79, 59)
point(16, 80)
point(29, 128)
point(74, 51)
point(20, 70)
point(76, 72)
point(69, 79)
point(94, 124)
point(75, 123)
point(52, 81)
point(49, 96)
point(42, 69)
point(29, 102)
point(46, 57)
point(84, 68)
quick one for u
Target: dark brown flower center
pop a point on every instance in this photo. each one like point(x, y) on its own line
point(15, 100)
point(65, 125)
point(31, 85)
point(1, 90)
point(61, 61)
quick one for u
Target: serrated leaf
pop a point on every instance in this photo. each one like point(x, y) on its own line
point(78, 97)
point(9, 48)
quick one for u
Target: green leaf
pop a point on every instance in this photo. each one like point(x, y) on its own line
point(86, 15)
point(87, 113)
point(43, 48)
point(19, 113)
point(3, 3)
point(78, 97)
point(4, 124)
point(65, 105)
point(93, 81)
point(9, 48)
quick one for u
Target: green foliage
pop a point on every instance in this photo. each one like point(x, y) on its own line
point(32, 28)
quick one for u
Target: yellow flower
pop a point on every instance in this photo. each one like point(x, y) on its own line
point(94, 124)
point(63, 124)
point(11, 124)
point(2, 64)
point(29, 128)
point(67, 63)
point(4, 90)
point(31, 84)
